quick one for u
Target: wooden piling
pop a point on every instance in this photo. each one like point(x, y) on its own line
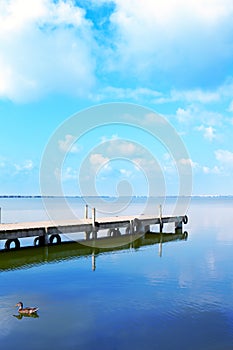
point(46, 236)
point(86, 212)
point(93, 219)
point(178, 226)
point(160, 219)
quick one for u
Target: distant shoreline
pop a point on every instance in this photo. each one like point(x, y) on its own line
point(112, 197)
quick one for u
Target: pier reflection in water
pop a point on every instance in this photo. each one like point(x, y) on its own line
point(31, 256)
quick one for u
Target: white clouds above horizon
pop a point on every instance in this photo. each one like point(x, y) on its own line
point(225, 157)
point(209, 132)
point(68, 144)
point(174, 56)
point(25, 167)
point(161, 37)
point(55, 47)
point(45, 48)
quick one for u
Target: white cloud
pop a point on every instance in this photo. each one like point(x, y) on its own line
point(188, 161)
point(116, 93)
point(117, 147)
point(69, 174)
point(116, 151)
point(124, 149)
point(209, 132)
point(199, 168)
point(224, 166)
point(195, 113)
point(185, 115)
point(98, 160)
point(196, 95)
point(66, 144)
point(225, 157)
point(162, 36)
point(45, 47)
point(60, 50)
point(215, 170)
point(125, 172)
point(26, 166)
point(105, 138)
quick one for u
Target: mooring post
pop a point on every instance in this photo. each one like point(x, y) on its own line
point(131, 227)
point(86, 212)
point(93, 217)
point(160, 218)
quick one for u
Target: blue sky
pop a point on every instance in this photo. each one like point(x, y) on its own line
point(174, 57)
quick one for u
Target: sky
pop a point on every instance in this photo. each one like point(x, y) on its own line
point(172, 57)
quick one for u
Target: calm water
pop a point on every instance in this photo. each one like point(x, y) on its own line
point(136, 298)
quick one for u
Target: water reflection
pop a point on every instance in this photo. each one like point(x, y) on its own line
point(20, 316)
point(29, 257)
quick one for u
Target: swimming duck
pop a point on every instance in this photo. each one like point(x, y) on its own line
point(26, 310)
point(20, 316)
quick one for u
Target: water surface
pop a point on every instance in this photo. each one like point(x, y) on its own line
point(135, 297)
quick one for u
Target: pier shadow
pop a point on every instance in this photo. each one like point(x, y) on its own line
point(27, 257)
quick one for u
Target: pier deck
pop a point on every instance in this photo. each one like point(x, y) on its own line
point(46, 231)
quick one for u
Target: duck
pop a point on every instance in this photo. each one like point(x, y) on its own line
point(26, 310)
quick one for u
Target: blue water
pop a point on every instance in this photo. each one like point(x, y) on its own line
point(137, 297)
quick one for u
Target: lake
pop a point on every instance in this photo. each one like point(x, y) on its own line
point(146, 295)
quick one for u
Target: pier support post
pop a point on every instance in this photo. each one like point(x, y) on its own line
point(87, 235)
point(178, 227)
point(160, 219)
point(131, 227)
point(93, 218)
point(137, 226)
point(0, 215)
point(86, 212)
point(93, 221)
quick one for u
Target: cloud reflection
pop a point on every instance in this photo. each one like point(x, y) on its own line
point(6, 311)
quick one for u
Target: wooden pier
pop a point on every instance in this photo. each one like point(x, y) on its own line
point(49, 232)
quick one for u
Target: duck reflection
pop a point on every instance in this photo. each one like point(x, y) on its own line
point(20, 316)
